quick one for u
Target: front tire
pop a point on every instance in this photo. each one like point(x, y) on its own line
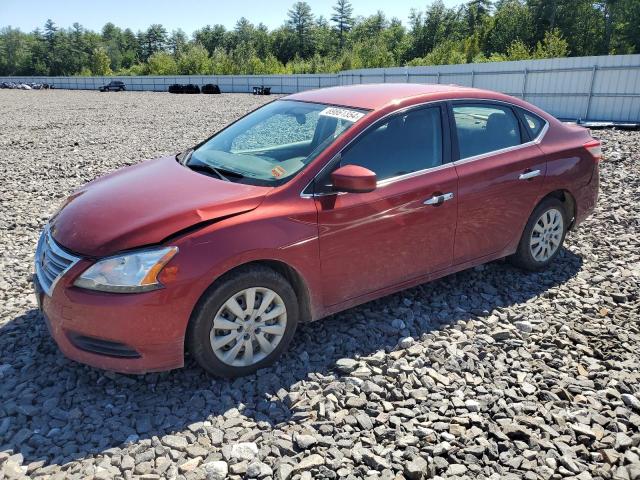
point(243, 322)
point(543, 236)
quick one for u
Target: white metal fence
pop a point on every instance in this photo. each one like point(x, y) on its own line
point(583, 88)
point(227, 83)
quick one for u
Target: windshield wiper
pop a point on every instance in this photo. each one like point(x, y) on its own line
point(221, 173)
point(207, 168)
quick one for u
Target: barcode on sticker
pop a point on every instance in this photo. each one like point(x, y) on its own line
point(342, 114)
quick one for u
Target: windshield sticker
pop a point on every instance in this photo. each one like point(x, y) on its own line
point(342, 114)
point(278, 171)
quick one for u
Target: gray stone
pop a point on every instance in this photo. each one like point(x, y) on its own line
point(309, 462)
point(304, 441)
point(631, 401)
point(456, 469)
point(347, 365)
point(216, 470)
point(176, 442)
point(257, 469)
point(244, 451)
point(416, 469)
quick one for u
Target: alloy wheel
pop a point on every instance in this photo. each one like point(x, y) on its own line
point(248, 326)
point(546, 235)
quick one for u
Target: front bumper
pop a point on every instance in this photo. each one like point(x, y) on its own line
point(126, 333)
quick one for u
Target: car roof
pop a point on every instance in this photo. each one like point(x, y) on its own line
point(375, 96)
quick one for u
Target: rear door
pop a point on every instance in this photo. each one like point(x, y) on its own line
point(403, 229)
point(500, 169)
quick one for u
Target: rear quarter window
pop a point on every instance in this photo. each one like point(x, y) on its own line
point(533, 123)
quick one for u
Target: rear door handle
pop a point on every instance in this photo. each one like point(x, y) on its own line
point(438, 199)
point(529, 175)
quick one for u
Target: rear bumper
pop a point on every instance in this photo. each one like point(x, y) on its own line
point(135, 333)
point(587, 197)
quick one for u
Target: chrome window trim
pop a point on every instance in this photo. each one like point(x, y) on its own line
point(417, 173)
point(51, 243)
point(388, 181)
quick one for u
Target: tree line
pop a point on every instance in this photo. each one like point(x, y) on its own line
point(477, 31)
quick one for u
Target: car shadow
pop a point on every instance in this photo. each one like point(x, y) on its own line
point(55, 411)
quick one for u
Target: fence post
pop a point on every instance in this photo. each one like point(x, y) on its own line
point(473, 76)
point(524, 83)
point(591, 82)
point(407, 72)
point(297, 83)
point(384, 76)
point(438, 78)
point(231, 83)
point(281, 81)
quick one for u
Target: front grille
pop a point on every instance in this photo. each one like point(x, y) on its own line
point(51, 261)
point(102, 347)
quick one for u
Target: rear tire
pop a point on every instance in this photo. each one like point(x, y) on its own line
point(243, 322)
point(543, 236)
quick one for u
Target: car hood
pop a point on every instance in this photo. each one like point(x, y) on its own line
point(144, 204)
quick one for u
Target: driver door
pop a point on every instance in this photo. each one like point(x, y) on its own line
point(403, 229)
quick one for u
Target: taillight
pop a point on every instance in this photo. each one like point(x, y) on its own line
point(594, 147)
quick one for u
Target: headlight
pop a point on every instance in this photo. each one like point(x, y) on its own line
point(127, 273)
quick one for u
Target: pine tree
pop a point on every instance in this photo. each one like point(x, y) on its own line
point(343, 18)
point(301, 20)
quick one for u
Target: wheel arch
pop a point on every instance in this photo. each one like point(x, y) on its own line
point(567, 199)
point(296, 280)
point(292, 275)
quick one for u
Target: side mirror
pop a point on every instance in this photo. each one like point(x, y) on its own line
point(353, 179)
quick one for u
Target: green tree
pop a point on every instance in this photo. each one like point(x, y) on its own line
point(284, 44)
point(552, 46)
point(518, 51)
point(323, 38)
point(221, 63)
point(512, 21)
point(100, 62)
point(477, 31)
point(177, 42)
point(372, 54)
point(437, 24)
point(300, 19)
point(15, 52)
point(162, 63)
point(343, 18)
point(448, 52)
point(194, 60)
point(476, 13)
point(153, 40)
point(211, 37)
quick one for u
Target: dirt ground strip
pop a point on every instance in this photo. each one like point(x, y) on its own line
point(489, 373)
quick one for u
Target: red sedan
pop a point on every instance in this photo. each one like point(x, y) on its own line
point(310, 205)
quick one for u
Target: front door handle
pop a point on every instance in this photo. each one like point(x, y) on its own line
point(438, 199)
point(529, 175)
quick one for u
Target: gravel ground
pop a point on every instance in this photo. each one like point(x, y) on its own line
point(489, 373)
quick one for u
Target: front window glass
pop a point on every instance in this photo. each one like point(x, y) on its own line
point(273, 143)
point(406, 143)
point(485, 128)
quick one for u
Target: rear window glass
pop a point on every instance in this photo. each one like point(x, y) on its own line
point(485, 128)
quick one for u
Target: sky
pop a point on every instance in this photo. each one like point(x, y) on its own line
point(186, 14)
